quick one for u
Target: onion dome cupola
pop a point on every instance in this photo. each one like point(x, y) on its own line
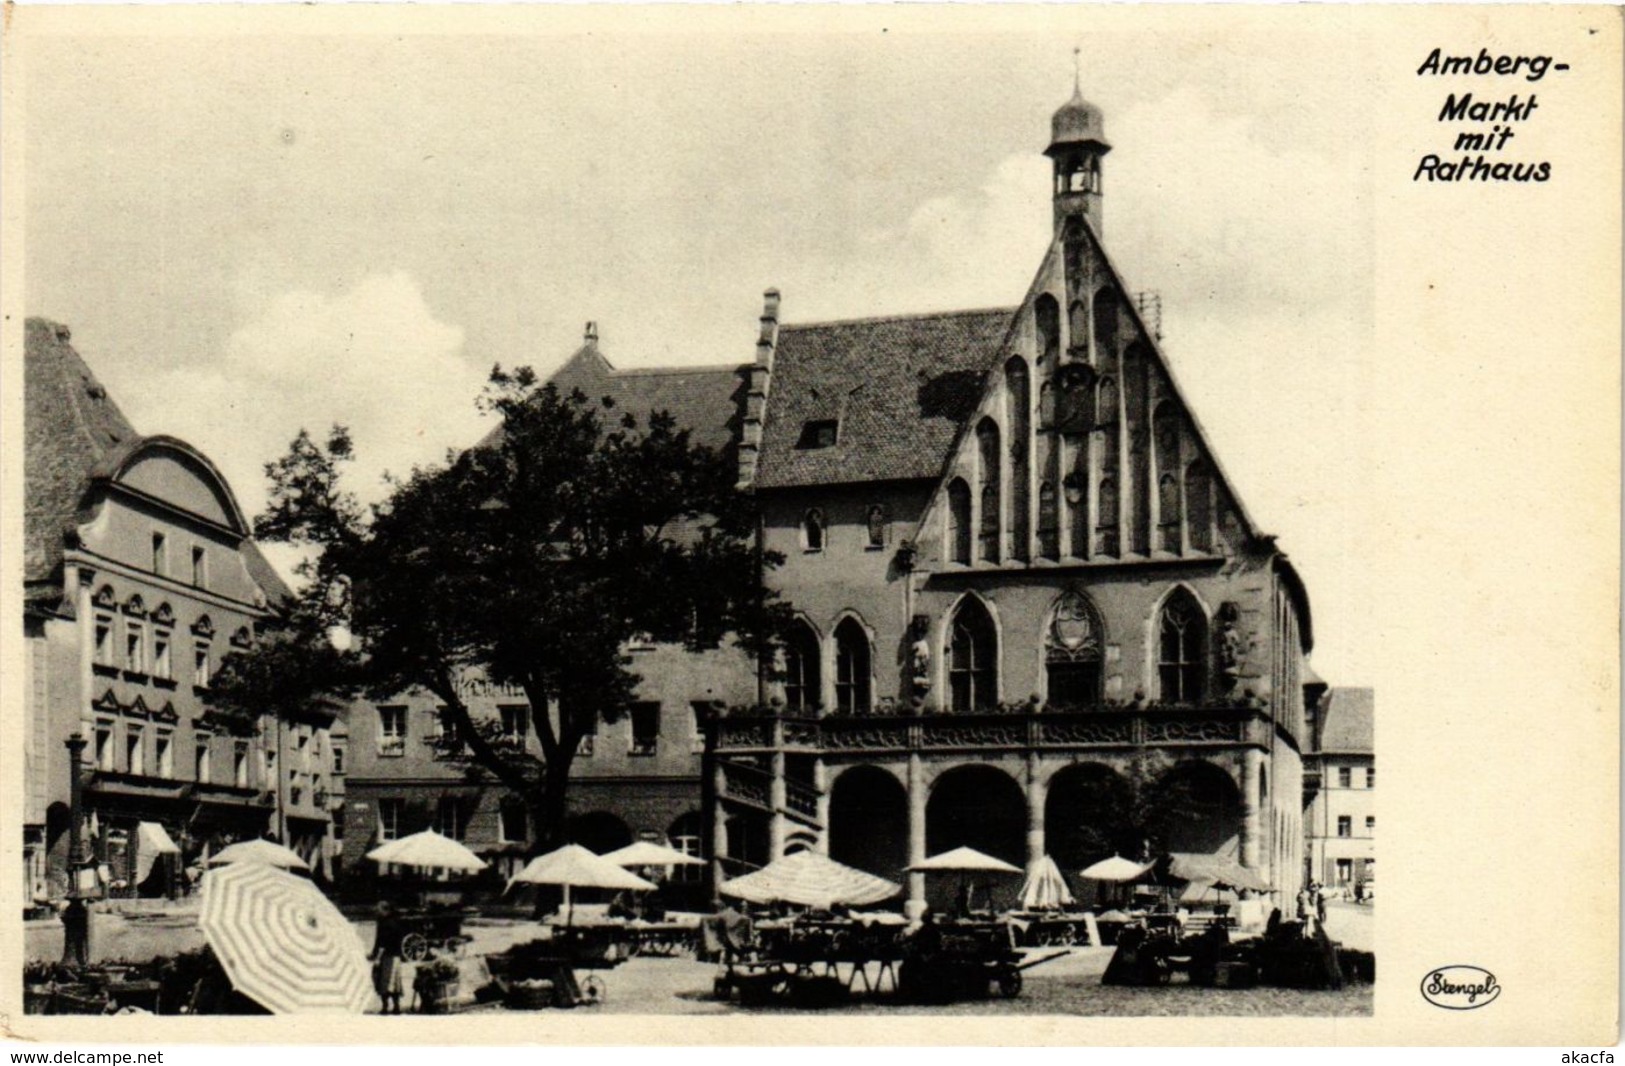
point(1077, 143)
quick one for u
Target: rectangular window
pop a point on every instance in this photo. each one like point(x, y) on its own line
point(689, 845)
point(162, 666)
point(1345, 777)
point(1370, 825)
point(268, 764)
point(338, 759)
point(1345, 871)
point(135, 751)
point(202, 670)
point(1370, 777)
point(164, 755)
point(239, 766)
point(104, 746)
point(202, 761)
point(1345, 825)
point(200, 566)
point(104, 639)
point(513, 822)
point(449, 820)
point(160, 553)
point(389, 818)
point(645, 728)
point(338, 825)
point(515, 723)
point(392, 731)
point(135, 648)
point(818, 433)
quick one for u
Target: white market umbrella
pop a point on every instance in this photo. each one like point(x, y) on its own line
point(810, 879)
point(1045, 887)
point(282, 943)
point(427, 849)
point(966, 860)
point(648, 853)
point(263, 852)
point(1115, 868)
point(573, 866)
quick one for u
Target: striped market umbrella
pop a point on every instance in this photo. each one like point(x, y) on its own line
point(282, 943)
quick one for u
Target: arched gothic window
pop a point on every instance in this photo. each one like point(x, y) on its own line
point(1047, 319)
point(959, 531)
point(973, 673)
point(851, 668)
point(987, 441)
point(1049, 522)
point(801, 669)
point(1105, 324)
point(812, 530)
point(1199, 506)
point(1169, 516)
point(1106, 402)
point(1073, 650)
point(876, 522)
point(1182, 649)
point(1106, 524)
point(1018, 416)
point(1078, 328)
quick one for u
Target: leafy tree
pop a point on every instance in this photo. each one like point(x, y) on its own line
point(534, 558)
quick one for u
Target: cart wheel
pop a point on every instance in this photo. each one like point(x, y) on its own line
point(593, 991)
point(1010, 984)
point(414, 947)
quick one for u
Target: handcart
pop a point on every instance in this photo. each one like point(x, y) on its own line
point(432, 929)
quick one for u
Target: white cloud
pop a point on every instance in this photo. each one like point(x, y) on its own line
point(373, 357)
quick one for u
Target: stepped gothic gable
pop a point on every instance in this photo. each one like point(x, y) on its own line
point(1081, 446)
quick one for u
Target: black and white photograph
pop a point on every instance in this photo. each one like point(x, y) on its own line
point(901, 518)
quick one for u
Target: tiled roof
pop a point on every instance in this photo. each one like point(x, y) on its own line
point(70, 427)
point(1346, 720)
point(899, 388)
point(704, 400)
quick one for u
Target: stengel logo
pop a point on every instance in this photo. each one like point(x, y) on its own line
point(1460, 987)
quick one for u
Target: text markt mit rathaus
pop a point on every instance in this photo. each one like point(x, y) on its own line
point(1492, 120)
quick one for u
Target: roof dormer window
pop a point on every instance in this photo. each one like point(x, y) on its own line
point(819, 433)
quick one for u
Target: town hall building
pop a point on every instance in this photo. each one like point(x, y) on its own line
point(1033, 615)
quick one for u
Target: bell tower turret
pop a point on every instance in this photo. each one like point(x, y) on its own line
point(1077, 143)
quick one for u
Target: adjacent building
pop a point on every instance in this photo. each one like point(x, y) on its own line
point(1340, 781)
point(140, 576)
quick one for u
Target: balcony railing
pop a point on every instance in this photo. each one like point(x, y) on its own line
point(1196, 726)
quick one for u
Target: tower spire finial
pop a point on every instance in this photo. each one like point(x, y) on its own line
point(1077, 72)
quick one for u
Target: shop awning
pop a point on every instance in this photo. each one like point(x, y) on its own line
point(155, 839)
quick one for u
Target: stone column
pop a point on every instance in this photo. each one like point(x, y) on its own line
point(821, 783)
point(778, 826)
point(916, 837)
point(1252, 827)
point(719, 825)
point(1037, 791)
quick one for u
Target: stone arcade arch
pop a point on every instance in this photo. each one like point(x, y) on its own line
point(981, 807)
point(1088, 816)
point(868, 822)
point(1196, 807)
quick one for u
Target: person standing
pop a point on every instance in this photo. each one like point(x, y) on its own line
point(386, 956)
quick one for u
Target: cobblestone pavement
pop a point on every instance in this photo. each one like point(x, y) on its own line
point(1069, 985)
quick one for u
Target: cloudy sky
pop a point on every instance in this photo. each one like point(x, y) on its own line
point(251, 234)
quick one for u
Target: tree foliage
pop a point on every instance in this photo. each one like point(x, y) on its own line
point(533, 559)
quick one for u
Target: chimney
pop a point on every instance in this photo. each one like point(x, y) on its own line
point(759, 376)
point(589, 336)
